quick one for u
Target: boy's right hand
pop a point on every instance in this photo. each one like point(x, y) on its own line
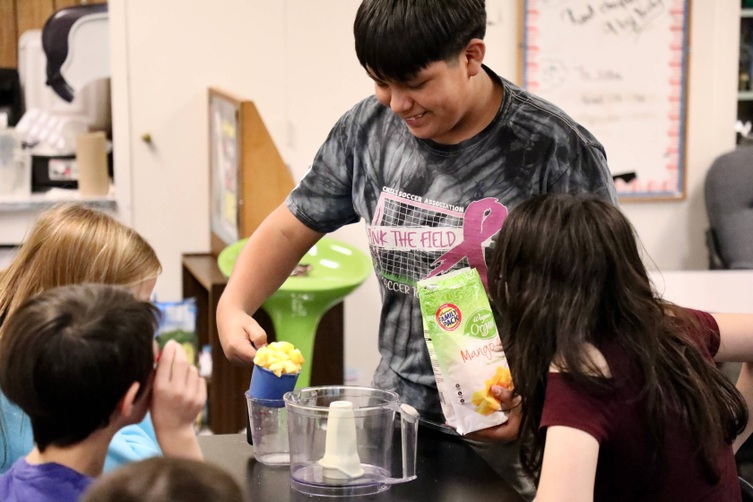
point(178, 396)
point(240, 335)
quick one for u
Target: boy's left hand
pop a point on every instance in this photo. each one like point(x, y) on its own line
point(508, 431)
point(178, 396)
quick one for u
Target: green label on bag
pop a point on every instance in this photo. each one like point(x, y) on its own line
point(481, 325)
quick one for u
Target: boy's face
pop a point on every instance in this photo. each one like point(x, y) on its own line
point(435, 104)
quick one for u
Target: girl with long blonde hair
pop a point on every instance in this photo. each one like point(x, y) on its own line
point(74, 244)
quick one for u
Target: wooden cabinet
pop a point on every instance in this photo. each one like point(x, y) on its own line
point(18, 16)
point(203, 280)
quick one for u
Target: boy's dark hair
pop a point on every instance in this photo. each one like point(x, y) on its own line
point(67, 356)
point(395, 39)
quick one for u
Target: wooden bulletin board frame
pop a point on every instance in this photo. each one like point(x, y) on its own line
point(557, 36)
point(247, 176)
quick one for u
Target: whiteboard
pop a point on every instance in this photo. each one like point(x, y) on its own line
point(619, 68)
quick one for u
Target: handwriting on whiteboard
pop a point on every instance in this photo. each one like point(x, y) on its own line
point(618, 68)
point(616, 17)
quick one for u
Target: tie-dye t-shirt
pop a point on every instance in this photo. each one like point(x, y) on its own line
point(431, 208)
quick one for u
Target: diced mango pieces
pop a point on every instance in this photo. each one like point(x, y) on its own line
point(504, 378)
point(483, 399)
point(279, 357)
point(478, 396)
point(488, 405)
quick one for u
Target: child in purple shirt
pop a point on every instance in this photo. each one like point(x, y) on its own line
point(51, 481)
point(80, 362)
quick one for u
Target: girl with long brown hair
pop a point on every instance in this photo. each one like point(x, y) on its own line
point(621, 399)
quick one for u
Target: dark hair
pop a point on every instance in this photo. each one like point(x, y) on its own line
point(68, 355)
point(567, 272)
point(163, 478)
point(395, 39)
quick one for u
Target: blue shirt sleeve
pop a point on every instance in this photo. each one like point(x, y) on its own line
point(16, 439)
point(132, 443)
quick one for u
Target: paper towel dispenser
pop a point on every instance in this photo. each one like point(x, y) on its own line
point(76, 41)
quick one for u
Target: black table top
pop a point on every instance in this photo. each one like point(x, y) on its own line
point(448, 470)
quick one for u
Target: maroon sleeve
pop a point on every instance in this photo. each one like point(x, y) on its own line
point(565, 404)
point(708, 337)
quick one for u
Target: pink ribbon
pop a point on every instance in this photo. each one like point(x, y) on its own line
point(483, 219)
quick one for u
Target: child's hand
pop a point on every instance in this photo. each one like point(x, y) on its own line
point(240, 335)
point(507, 431)
point(178, 396)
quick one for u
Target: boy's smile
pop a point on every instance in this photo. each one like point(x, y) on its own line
point(441, 102)
point(413, 120)
point(431, 104)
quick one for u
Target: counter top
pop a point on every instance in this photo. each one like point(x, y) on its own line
point(448, 470)
point(718, 291)
point(18, 213)
point(44, 200)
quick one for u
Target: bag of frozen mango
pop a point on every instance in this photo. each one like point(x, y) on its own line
point(465, 349)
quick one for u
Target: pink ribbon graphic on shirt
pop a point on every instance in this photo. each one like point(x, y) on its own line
point(483, 218)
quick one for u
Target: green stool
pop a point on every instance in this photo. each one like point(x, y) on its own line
point(331, 269)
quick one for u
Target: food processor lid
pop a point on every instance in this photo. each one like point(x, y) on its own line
point(364, 399)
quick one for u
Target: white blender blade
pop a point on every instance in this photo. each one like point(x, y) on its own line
point(341, 460)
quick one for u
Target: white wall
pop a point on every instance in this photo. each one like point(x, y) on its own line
point(295, 60)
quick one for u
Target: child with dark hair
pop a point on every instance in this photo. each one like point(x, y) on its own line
point(166, 479)
point(621, 399)
point(71, 243)
point(80, 362)
point(431, 163)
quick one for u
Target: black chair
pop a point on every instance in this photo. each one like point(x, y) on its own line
point(729, 239)
point(729, 205)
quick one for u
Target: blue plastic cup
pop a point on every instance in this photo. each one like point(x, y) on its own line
point(266, 385)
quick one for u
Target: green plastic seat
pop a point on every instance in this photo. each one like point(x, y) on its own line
point(333, 270)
